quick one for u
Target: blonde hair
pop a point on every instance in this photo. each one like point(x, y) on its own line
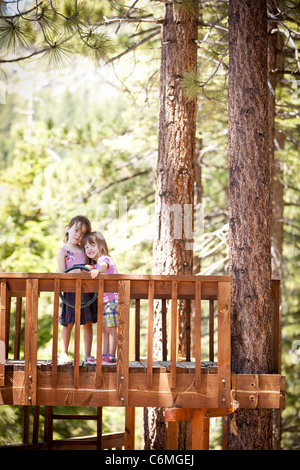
point(99, 240)
point(81, 220)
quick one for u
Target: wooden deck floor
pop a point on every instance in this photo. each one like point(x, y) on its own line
point(134, 366)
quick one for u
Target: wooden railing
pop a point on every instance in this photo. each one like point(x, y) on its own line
point(138, 295)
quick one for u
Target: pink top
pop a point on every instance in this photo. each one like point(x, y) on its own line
point(112, 269)
point(74, 258)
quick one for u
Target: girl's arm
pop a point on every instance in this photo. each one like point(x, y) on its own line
point(101, 269)
point(61, 263)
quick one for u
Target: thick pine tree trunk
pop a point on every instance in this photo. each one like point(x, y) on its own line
point(172, 248)
point(250, 213)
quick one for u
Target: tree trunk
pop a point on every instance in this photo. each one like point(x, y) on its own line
point(172, 245)
point(249, 213)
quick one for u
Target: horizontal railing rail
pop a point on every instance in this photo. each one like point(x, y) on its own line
point(142, 299)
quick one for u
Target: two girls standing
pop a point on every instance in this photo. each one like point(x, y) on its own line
point(82, 245)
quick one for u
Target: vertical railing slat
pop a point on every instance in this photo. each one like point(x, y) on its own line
point(123, 342)
point(30, 344)
point(211, 331)
point(198, 334)
point(174, 335)
point(224, 364)
point(164, 329)
point(7, 324)
point(137, 329)
point(77, 332)
point(188, 330)
point(99, 333)
point(55, 331)
point(2, 331)
point(17, 338)
point(150, 333)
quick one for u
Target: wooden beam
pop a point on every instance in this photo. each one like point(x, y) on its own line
point(129, 428)
point(150, 333)
point(99, 333)
point(270, 392)
point(224, 359)
point(198, 333)
point(55, 331)
point(174, 335)
point(77, 332)
point(200, 430)
point(30, 342)
point(123, 343)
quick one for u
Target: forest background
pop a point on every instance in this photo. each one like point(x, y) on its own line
point(80, 136)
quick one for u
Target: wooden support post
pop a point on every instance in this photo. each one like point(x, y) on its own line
point(55, 331)
point(173, 416)
point(150, 333)
point(198, 334)
point(224, 360)
point(26, 423)
point(30, 343)
point(48, 429)
point(200, 430)
point(172, 435)
point(200, 427)
point(123, 343)
point(174, 335)
point(99, 427)
point(99, 333)
point(36, 422)
point(129, 428)
point(77, 332)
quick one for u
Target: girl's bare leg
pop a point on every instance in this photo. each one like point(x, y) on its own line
point(109, 340)
point(88, 338)
point(65, 338)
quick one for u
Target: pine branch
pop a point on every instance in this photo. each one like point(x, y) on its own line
point(134, 46)
point(113, 183)
point(108, 21)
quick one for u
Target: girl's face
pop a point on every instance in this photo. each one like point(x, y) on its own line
point(76, 233)
point(91, 250)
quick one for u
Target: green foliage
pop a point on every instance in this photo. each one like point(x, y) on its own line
point(56, 29)
point(15, 34)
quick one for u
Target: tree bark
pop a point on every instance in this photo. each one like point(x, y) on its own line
point(249, 213)
point(175, 177)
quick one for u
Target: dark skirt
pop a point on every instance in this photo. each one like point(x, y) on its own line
point(67, 314)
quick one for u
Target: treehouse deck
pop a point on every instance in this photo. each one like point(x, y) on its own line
point(198, 376)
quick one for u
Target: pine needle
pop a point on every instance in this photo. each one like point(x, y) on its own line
point(15, 34)
point(190, 85)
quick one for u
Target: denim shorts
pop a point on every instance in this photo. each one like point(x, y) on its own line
point(110, 313)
